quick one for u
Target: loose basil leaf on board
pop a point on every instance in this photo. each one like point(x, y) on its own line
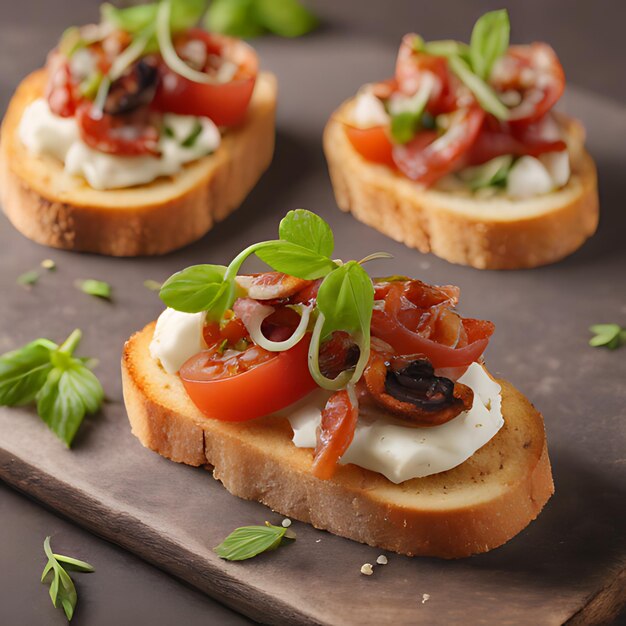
point(28, 278)
point(23, 372)
point(346, 299)
point(295, 260)
point(486, 96)
point(490, 40)
point(97, 288)
point(610, 336)
point(249, 541)
point(236, 18)
point(286, 18)
point(308, 230)
point(193, 289)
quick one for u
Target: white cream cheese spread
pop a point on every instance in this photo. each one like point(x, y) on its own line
point(398, 452)
point(42, 132)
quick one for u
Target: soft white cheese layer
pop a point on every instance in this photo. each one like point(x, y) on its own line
point(382, 444)
point(177, 337)
point(42, 132)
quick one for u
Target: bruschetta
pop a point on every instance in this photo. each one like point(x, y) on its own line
point(139, 134)
point(362, 406)
point(461, 153)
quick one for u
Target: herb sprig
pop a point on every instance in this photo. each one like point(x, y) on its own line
point(62, 386)
point(610, 336)
point(250, 541)
point(304, 250)
point(62, 589)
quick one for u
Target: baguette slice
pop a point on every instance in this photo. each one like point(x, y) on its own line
point(56, 209)
point(493, 233)
point(472, 508)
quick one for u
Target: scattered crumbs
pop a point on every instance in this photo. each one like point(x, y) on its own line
point(317, 540)
point(425, 598)
point(152, 285)
point(367, 569)
point(48, 264)
point(286, 523)
point(382, 560)
point(28, 278)
point(478, 425)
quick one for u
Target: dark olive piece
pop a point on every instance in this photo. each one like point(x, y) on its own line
point(136, 88)
point(417, 384)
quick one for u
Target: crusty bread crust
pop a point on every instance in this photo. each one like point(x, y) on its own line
point(472, 508)
point(56, 209)
point(493, 233)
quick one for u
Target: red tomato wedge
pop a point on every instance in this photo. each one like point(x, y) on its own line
point(250, 384)
point(372, 143)
point(428, 157)
point(339, 419)
point(224, 103)
point(536, 73)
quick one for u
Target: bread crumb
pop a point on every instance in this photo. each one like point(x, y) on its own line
point(317, 540)
point(286, 523)
point(367, 569)
point(425, 598)
point(382, 560)
point(48, 264)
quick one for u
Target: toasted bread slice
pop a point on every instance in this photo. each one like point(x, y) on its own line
point(472, 508)
point(57, 209)
point(492, 233)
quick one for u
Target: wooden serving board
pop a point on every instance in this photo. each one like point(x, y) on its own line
point(568, 565)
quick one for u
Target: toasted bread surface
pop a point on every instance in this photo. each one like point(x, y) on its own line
point(488, 233)
point(57, 209)
point(472, 508)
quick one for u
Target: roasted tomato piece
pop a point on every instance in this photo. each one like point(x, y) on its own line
point(60, 90)
point(408, 388)
point(224, 101)
point(237, 386)
point(429, 156)
point(336, 433)
point(535, 72)
point(133, 134)
point(371, 143)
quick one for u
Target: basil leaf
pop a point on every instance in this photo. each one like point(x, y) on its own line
point(74, 564)
point(194, 289)
point(489, 174)
point(486, 96)
point(249, 541)
point(186, 13)
point(346, 298)
point(236, 18)
point(23, 372)
point(295, 260)
point(610, 336)
point(65, 398)
point(490, 40)
point(308, 230)
point(28, 278)
point(97, 288)
point(404, 126)
point(287, 18)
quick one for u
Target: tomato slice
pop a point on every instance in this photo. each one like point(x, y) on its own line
point(536, 73)
point(371, 143)
point(337, 427)
point(60, 91)
point(224, 103)
point(132, 134)
point(250, 384)
point(428, 157)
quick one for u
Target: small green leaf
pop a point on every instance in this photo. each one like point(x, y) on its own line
point(490, 40)
point(97, 288)
point(485, 95)
point(28, 278)
point(236, 18)
point(404, 126)
point(610, 336)
point(293, 259)
point(190, 140)
point(308, 230)
point(249, 541)
point(194, 289)
point(287, 18)
point(74, 564)
point(152, 285)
